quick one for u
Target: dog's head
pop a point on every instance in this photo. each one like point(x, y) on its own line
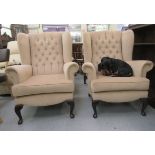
point(104, 66)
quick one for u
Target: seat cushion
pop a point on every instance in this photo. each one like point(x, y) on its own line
point(43, 84)
point(105, 83)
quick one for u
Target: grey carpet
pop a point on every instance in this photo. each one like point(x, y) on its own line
point(115, 117)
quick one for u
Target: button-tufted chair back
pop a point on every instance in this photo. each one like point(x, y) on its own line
point(114, 44)
point(46, 52)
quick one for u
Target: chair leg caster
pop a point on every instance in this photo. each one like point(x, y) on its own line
point(18, 109)
point(94, 103)
point(71, 104)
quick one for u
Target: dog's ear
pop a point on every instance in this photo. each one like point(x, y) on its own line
point(99, 67)
point(105, 59)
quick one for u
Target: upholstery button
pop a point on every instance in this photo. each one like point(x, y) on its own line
point(42, 54)
point(38, 49)
point(49, 53)
point(47, 58)
point(110, 51)
point(51, 38)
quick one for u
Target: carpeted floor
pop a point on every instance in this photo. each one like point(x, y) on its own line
point(115, 117)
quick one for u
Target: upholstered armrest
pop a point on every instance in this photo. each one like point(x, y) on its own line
point(70, 68)
point(18, 73)
point(140, 67)
point(89, 69)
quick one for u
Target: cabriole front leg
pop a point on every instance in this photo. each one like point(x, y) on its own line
point(71, 104)
point(85, 78)
point(94, 104)
point(144, 106)
point(18, 109)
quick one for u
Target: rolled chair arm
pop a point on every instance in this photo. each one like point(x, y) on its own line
point(140, 67)
point(70, 68)
point(89, 69)
point(18, 73)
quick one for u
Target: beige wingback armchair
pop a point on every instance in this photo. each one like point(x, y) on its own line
point(114, 44)
point(46, 76)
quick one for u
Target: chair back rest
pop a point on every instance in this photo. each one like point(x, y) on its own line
point(113, 44)
point(46, 52)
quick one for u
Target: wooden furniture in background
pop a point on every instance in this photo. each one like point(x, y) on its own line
point(15, 29)
point(144, 48)
point(78, 57)
point(78, 54)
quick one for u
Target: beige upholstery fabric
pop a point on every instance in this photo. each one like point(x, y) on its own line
point(13, 47)
point(43, 84)
point(46, 53)
point(118, 45)
point(70, 69)
point(14, 53)
point(87, 47)
point(119, 84)
point(140, 67)
point(24, 48)
point(18, 73)
point(14, 58)
point(46, 75)
point(44, 99)
point(127, 44)
point(90, 70)
point(67, 47)
point(119, 96)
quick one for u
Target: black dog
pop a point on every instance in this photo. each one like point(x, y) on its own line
point(115, 67)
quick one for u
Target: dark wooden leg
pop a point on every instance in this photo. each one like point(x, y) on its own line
point(144, 105)
point(71, 104)
point(18, 109)
point(85, 78)
point(94, 104)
